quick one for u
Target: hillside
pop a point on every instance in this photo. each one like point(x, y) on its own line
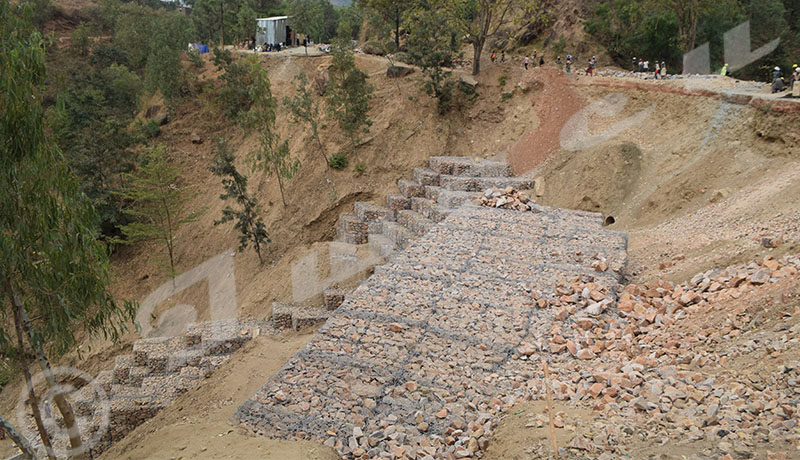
point(700, 175)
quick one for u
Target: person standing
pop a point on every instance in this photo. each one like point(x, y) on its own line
point(526, 61)
point(777, 81)
point(541, 60)
point(559, 63)
point(590, 69)
point(724, 70)
point(657, 73)
point(796, 82)
point(634, 64)
point(663, 69)
point(646, 66)
point(535, 55)
point(493, 56)
point(569, 64)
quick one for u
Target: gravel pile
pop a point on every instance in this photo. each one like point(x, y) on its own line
point(508, 198)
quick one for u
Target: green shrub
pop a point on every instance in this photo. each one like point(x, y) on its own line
point(401, 56)
point(373, 48)
point(7, 374)
point(338, 161)
point(359, 167)
point(506, 96)
point(149, 129)
point(80, 41)
point(195, 59)
point(559, 45)
point(502, 79)
point(234, 95)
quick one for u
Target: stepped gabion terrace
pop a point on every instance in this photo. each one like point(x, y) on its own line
point(143, 383)
point(418, 359)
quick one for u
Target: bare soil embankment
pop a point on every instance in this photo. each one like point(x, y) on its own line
point(697, 176)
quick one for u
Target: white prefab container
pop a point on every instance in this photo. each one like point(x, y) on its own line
point(272, 30)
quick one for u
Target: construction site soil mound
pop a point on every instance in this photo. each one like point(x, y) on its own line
point(686, 175)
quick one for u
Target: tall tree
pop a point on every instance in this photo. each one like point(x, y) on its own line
point(302, 17)
point(246, 23)
point(159, 204)
point(326, 21)
point(248, 221)
point(273, 154)
point(215, 20)
point(393, 12)
point(348, 92)
point(433, 45)
point(478, 20)
point(54, 272)
point(688, 14)
point(164, 69)
point(348, 22)
point(305, 109)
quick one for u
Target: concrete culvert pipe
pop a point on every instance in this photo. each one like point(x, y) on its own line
point(608, 221)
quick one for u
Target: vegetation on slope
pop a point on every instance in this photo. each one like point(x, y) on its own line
point(666, 30)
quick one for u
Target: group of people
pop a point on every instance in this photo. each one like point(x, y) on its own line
point(532, 59)
point(643, 66)
point(269, 47)
point(535, 58)
point(640, 65)
point(265, 47)
point(794, 81)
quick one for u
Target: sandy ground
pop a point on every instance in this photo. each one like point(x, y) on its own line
point(694, 178)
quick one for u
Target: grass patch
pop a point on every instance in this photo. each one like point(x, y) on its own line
point(338, 161)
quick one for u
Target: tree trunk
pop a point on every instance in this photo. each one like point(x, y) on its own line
point(18, 438)
point(476, 57)
point(280, 185)
point(171, 135)
point(315, 135)
point(258, 252)
point(33, 400)
point(693, 30)
point(397, 32)
point(61, 402)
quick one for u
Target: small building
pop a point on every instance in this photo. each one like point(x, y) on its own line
point(274, 30)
